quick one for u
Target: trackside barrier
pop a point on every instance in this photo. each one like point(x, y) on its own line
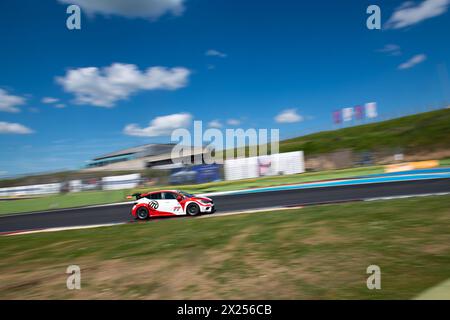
point(31, 190)
point(128, 181)
point(270, 165)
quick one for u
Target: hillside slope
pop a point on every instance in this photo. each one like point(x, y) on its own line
point(428, 131)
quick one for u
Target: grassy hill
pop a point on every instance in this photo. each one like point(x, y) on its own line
point(428, 131)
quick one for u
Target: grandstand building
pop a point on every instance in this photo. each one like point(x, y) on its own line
point(157, 156)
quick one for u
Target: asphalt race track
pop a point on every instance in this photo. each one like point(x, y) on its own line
point(227, 203)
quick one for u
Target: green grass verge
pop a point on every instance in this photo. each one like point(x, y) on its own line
point(417, 133)
point(312, 253)
point(101, 197)
point(444, 162)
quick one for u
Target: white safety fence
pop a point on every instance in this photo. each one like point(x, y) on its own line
point(270, 165)
point(75, 185)
point(108, 183)
point(31, 190)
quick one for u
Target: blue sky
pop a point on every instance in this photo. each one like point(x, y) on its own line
point(69, 95)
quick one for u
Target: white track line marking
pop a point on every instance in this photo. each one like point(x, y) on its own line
point(408, 196)
point(232, 213)
point(16, 233)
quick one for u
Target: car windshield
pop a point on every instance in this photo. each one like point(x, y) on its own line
point(186, 194)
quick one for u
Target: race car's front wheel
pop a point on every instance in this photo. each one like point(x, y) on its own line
point(193, 209)
point(142, 213)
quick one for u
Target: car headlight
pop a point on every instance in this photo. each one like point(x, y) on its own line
point(206, 201)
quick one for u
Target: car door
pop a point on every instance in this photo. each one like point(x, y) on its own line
point(154, 202)
point(170, 203)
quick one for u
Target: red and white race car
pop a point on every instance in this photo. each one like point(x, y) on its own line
point(169, 203)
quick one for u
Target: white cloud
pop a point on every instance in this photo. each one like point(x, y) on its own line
point(13, 128)
point(147, 9)
point(160, 126)
point(288, 116)
point(9, 103)
point(409, 14)
point(413, 61)
point(49, 100)
point(391, 49)
point(233, 122)
point(60, 106)
point(215, 53)
point(215, 124)
point(104, 87)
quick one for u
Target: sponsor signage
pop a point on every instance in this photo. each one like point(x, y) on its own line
point(128, 181)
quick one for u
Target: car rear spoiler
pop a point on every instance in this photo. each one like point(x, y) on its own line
point(135, 195)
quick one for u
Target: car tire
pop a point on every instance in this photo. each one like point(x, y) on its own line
point(142, 213)
point(193, 209)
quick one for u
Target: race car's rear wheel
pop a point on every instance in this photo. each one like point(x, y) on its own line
point(193, 209)
point(142, 213)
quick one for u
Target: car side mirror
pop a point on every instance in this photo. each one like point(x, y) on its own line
point(179, 198)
